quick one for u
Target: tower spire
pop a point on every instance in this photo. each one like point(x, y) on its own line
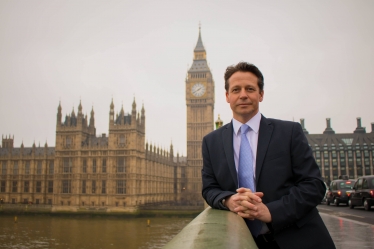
point(199, 45)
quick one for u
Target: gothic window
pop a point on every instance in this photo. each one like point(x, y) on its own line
point(50, 186)
point(66, 186)
point(83, 186)
point(3, 169)
point(93, 186)
point(121, 187)
point(84, 167)
point(15, 168)
point(51, 170)
point(67, 166)
point(94, 166)
point(14, 186)
point(103, 187)
point(103, 168)
point(122, 140)
point(68, 141)
point(39, 168)
point(38, 188)
point(2, 186)
point(27, 168)
point(26, 186)
point(121, 165)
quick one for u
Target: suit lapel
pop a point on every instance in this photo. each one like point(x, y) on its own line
point(265, 132)
point(227, 138)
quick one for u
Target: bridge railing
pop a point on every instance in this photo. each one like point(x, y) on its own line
point(214, 228)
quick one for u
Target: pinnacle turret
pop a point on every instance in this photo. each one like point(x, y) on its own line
point(143, 110)
point(134, 105)
point(59, 114)
point(73, 113)
point(122, 112)
point(111, 105)
point(80, 107)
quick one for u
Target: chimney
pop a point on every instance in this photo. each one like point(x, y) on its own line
point(359, 128)
point(328, 129)
point(372, 127)
point(303, 126)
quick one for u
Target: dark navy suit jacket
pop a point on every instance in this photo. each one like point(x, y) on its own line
point(286, 173)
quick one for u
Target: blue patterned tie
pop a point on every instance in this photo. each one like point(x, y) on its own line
point(245, 174)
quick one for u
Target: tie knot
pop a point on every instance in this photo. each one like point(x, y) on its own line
point(244, 129)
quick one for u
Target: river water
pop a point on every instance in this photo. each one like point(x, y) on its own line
point(44, 231)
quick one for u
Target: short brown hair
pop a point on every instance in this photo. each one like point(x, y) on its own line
point(244, 67)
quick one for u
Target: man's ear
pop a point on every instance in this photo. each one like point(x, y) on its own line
point(262, 95)
point(227, 97)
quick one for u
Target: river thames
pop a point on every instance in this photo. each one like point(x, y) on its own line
point(45, 231)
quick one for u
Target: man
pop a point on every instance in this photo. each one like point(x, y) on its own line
point(263, 170)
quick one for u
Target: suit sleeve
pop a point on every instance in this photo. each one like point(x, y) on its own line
point(212, 190)
point(307, 189)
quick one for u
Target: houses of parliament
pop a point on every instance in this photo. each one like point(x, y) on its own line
point(119, 171)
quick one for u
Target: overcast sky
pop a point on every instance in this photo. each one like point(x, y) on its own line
point(317, 58)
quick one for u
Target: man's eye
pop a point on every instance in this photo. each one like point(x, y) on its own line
point(235, 90)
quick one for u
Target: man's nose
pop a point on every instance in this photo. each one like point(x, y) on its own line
point(243, 93)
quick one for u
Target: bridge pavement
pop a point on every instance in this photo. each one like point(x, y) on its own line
point(349, 234)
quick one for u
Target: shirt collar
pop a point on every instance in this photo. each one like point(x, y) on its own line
point(254, 123)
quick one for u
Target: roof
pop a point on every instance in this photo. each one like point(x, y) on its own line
point(39, 151)
point(199, 45)
point(199, 66)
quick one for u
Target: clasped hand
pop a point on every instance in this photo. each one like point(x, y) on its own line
point(249, 205)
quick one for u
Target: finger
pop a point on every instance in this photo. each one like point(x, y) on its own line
point(240, 198)
point(246, 207)
point(251, 196)
point(242, 190)
point(246, 216)
point(247, 190)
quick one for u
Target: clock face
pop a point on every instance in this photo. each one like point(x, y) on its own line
point(198, 90)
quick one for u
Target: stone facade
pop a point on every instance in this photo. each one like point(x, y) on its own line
point(119, 171)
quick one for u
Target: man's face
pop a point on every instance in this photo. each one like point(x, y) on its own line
point(244, 95)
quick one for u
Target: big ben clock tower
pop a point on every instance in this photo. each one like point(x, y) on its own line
point(200, 109)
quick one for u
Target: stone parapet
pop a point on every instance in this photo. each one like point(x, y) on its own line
point(214, 229)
